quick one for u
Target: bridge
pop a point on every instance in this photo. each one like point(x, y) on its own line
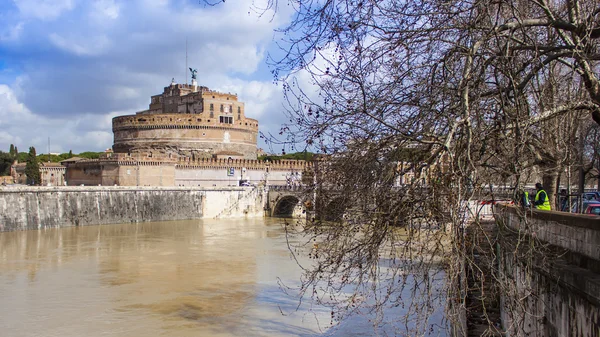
point(294, 201)
point(297, 202)
point(286, 201)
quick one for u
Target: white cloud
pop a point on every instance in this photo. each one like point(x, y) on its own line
point(107, 57)
point(12, 33)
point(24, 129)
point(44, 9)
point(105, 9)
point(80, 45)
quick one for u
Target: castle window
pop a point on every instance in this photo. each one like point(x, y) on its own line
point(212, 114)
point(221, 107)
point(239, 113)
point(226, 119)
point(212, 107)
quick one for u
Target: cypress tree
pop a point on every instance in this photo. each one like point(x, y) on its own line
point(32, 168)
point(12, 150)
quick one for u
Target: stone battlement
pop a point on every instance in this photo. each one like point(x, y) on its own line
point(295, 165)
point(190, 163)
point(179, 121)
point(125, 159)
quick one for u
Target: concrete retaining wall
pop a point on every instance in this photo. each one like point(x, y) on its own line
point(560, 297)
point(23, 208)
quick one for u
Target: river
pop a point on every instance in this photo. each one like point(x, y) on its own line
point(176, 278)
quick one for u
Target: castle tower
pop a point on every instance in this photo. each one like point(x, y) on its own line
point(188, 121)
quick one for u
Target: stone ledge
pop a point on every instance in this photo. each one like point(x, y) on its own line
point(49, 189)
point(563, 218)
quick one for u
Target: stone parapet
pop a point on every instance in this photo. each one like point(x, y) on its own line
point(577, 233)
point(210, 163)
point(124, 159)
point(184, 135)
point(556, 289)
point(180, 121)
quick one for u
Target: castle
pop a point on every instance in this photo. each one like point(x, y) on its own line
point(188, 121)
point(189, 136)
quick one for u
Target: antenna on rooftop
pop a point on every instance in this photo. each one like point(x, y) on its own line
point(186, 66)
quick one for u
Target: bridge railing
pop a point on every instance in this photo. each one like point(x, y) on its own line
point(286, 188)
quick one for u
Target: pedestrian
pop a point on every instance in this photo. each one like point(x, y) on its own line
point(563, 199)
point(541, 198)
point(524, 199)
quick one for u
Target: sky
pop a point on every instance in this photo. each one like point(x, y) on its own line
point(67, 67)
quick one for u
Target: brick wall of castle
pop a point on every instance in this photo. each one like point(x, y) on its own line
point(189, 121)
point(139, 170)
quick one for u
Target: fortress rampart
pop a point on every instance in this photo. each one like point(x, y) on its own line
point(138, 169)
point(190, 121)
point(286, 165)
point(184, 135)
point(179, 121)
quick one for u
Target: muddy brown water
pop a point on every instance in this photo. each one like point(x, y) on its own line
point(176, 278)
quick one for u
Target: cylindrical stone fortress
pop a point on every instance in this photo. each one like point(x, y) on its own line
point(188, 121)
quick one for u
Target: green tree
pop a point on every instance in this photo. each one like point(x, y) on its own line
point(90, 155)
point(12, 150)
point(6, 160)
point(32, 169)
point(21, 157)
point(70, 154)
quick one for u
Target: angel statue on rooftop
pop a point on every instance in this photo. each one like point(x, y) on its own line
point(194, 72)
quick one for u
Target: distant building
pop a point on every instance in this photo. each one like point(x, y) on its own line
point(51, 174)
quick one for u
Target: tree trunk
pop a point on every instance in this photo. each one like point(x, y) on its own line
point(549, 179)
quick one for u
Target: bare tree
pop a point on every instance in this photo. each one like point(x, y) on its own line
point(447, 97)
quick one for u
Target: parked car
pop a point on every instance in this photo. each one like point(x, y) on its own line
point(586, 204)
point(593, 209)
point(595, 195)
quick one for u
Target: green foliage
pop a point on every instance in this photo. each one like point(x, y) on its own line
point(11, 151)
point(32, 169)
point(6, 160)
point(296, 156)
point(53, 158)
point(22, 157)
point(90, 155)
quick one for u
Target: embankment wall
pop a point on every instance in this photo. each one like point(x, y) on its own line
point(557, 294)
point(23, 208)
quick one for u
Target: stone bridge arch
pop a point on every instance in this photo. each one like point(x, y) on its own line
point(286, 202)
point(288, 206)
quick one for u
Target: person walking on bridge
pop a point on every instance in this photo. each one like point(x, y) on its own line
point(541, 198)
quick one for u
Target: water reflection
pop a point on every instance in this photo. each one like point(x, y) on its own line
point(178, 278)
